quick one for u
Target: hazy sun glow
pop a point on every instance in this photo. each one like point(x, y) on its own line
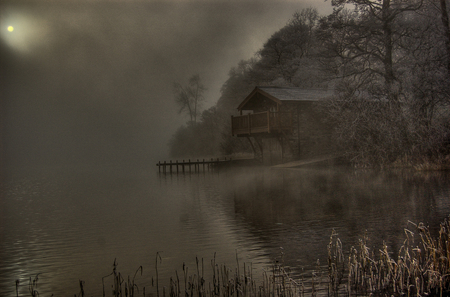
point(23, 31)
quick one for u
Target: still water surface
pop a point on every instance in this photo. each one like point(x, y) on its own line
point(72, 225)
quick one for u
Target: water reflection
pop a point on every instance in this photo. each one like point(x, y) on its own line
point(297, 209)
point(72, 225)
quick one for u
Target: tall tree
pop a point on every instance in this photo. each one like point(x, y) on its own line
point(190, 97)
point(288, 49)
point(446, 27)
point(372, 40)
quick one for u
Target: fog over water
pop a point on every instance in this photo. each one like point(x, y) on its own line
point(91, 81)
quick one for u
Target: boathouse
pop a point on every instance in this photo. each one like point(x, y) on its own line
point(284, 124)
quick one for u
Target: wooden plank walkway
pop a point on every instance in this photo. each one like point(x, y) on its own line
point(312, 161)
point(186, 166)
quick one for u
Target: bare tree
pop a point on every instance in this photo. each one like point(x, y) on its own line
point(190, 97)
point(372, 40)
point(289, 50)
point(446, 27)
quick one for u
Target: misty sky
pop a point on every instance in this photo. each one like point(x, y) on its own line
point(91, 81)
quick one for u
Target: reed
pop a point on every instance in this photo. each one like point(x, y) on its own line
point(336, 263)
point(224, 282)
point(421, 267)
point(32, 286)
point(120, 287)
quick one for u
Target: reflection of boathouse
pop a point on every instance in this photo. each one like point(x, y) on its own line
point(283, 124)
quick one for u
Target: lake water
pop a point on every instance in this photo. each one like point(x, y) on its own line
point(70, 225)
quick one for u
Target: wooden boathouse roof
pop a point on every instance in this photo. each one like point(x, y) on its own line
point(280, 94)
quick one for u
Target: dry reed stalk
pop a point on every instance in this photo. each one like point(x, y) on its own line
point(420, 269)
point(32, 286)
point(336, 265)
point(156, 268)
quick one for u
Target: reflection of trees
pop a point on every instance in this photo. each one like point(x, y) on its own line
point(297, 209)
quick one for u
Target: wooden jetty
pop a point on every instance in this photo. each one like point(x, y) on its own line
point(189, 166)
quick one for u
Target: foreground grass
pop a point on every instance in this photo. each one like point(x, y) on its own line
point(421, 268)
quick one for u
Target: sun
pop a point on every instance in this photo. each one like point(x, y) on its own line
point(24, 32)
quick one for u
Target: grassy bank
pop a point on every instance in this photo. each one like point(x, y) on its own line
point(421, 267)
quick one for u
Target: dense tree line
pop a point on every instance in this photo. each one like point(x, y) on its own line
point(388, 62)
point(391, 97)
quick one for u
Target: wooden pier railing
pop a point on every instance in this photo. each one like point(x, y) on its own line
point(189, 166)
point(261, 122)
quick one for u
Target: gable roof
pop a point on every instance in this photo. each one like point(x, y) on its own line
point(280, 94)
